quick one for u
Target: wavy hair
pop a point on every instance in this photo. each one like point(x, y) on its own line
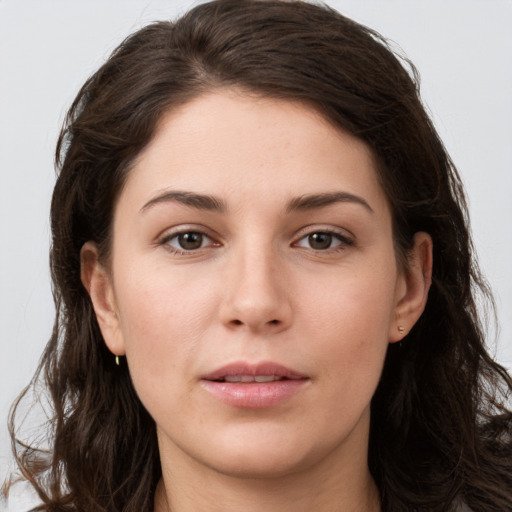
point(441, 427)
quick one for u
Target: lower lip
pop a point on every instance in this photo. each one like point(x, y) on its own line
point(254, 395)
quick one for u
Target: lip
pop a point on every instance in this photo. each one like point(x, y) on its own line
point(254, 395)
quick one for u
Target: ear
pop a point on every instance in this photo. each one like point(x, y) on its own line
point(413, 287)
point(98, 284)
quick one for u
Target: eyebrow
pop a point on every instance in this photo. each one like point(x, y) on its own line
point(199, 201)
point(310, 202)
point(211, 203)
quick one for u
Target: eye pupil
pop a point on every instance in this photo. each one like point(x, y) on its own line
point(190, 241)
point(320, 240)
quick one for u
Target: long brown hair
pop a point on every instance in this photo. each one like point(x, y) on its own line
point(441, 430)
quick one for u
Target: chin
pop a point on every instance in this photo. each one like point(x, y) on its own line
point(267, 456)
point(262, 466)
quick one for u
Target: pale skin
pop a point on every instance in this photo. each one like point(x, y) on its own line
point(252, 230)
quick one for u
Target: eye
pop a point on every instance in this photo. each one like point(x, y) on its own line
point(323, 240)
point(187, 241)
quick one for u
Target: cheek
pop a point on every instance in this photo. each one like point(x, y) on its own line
point(355, 306)
point(348, 322)
point(162, 318)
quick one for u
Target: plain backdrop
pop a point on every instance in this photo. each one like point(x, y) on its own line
point(462, 48)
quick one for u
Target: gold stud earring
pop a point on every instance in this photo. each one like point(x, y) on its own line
point(401, 329)
point(117, 360)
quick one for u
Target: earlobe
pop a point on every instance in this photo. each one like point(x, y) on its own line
point(98, 284)
point(414, 288)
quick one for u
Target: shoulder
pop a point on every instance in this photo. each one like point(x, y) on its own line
point(461, 507)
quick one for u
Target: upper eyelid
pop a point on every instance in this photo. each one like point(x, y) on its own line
point(171, 232)
point(170, 236)
point(308, 230)
point(167, 237)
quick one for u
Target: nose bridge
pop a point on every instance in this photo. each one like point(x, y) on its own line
point(255, 295)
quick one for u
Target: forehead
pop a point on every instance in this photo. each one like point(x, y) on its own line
point(229, 142)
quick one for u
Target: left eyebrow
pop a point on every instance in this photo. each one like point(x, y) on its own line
point(199, 201)
point(309, 202)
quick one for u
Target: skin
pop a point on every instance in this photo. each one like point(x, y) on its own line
point(260, 287)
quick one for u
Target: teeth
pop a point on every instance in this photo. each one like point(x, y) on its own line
point(266, 378)
point(251, 378)
point(234, 378)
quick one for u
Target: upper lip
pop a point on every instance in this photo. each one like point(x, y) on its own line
point(261, 369)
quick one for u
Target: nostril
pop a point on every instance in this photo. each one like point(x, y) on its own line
point(270, 322)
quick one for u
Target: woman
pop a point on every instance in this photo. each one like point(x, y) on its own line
point(264, 282)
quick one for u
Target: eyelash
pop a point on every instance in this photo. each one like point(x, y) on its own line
point(166, 241)
point(344, 241)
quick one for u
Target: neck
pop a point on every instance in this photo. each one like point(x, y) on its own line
point(332, 485)
point(271, 497)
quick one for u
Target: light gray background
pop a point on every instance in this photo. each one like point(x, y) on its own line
point(463, 49)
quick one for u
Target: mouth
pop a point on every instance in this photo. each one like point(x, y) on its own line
point(246, 372)
point(250, 378)
point(258, 386)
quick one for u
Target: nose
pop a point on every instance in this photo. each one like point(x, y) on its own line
point(257, 295)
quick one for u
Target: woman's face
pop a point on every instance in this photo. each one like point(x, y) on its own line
point(253, 286)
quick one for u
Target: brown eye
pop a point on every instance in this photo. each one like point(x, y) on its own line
point(320, 241)
point(190, 240)
point(187, 241)
point(324, 241)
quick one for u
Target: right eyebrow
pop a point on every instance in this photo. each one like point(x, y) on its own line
point(199, 201)
point(310, 202)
